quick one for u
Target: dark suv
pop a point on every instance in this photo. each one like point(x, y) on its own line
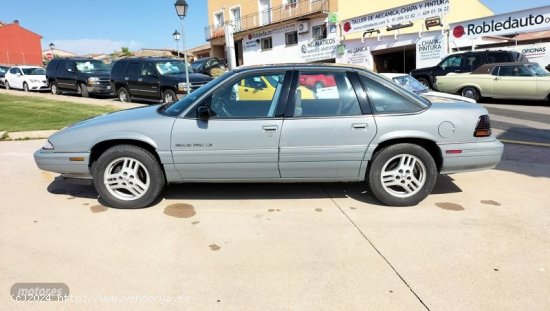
point(153, 79)
point(464, 62)
point(83, 76)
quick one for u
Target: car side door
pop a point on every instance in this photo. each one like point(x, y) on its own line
point(133, 74)
point(514, 81)
point(326, 136)
point(16, 78)
point(148, 82)
point(240, 139)
point(67, 76)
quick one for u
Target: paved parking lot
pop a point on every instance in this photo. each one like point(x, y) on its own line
point(480, 242)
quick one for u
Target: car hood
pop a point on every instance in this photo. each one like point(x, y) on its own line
point(433, 95)
point(99, 74)
point(143, 123)
point(36, 77)
point(193, 77)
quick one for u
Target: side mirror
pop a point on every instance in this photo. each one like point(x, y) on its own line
point(203, 113)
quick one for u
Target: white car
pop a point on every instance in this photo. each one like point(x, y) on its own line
point(408, 82)
point(27, 78)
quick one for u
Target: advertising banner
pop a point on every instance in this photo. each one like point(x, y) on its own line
point(252, 41)
point(399, 15)
point(430, 50)
point(356, 53)
point(504, 24)
point(317, 50)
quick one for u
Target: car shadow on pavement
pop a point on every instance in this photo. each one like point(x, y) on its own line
point(251, 191)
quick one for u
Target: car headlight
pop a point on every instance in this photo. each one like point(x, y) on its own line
point(34, 81)
point(47, 146)
point(93, 80)
point(182, 86)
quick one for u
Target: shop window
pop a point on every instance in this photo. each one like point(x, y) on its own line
point(319, 32)
point(291, 38)
point(267, 43)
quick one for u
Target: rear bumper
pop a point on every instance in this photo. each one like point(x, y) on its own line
point(474, 156)
point(61, 163)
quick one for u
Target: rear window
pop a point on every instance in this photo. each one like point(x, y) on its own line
point(498, 57)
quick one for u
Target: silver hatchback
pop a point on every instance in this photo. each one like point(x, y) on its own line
point(260, 124)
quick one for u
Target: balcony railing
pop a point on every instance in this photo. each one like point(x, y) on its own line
point(273, 15)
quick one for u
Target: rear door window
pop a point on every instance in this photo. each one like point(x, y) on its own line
point(498, 57)
point(134, 70)
point(385, 100)
point(471, 62)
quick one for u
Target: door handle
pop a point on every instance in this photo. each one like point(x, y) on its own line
point(359, 125)
point(270, 127)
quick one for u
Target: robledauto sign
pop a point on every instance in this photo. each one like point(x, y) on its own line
point(503, 24)
point(402, 14)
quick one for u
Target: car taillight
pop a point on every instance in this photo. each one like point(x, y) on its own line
point(483, 128)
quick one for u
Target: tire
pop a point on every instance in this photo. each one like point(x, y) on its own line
point(123, 95)
point(55, 88)
point(169, 96)
point(425, 82)
point(25, 87)
point(128, 176)
point(7, 85)
point(471, 92)
point(318, 85)
point(83, 90)
point(405, 184)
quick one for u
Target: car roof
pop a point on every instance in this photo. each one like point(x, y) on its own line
point(150, 59)
point(300, 66)
point(23, 67)
point(488, 68)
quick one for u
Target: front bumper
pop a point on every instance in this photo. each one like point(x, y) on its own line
point(474, 156)
point(99, 89)
point(38, 86)
point(66, 164)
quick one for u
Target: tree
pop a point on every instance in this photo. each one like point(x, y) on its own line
point(125, 51)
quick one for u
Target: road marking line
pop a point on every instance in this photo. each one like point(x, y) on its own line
point(520, 142)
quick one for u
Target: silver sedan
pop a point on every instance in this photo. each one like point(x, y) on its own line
point(258, 124)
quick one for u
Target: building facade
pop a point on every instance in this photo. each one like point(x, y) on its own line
point(272, 31)
point(19, 46)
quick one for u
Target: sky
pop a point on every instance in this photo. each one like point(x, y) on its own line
point(103, 26)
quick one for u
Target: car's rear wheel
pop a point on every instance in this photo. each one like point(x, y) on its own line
point(123, 95)
point(7, 85)
point(471, 92)
point(54, 88)
point(83, 90)
point(402, 174)
point(25, 87)
point(128, 176)
point(169, 96)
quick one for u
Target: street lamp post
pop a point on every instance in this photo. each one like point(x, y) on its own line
point(52, 47)
point(181, 9)
point(177, 36)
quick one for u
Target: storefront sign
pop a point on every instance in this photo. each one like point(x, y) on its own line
point(399, 15)
point(356, 53)
point(317, 50)
point(430, 50)
point(503, 24)
point(252, 41)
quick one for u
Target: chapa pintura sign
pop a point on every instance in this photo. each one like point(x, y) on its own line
point(403, 14)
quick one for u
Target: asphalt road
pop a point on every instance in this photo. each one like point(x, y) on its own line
point(481, 241)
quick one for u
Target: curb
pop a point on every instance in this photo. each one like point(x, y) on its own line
point(26, 135)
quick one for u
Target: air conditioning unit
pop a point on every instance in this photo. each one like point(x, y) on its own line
point(303, 27)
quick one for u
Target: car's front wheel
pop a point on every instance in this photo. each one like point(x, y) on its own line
point(25, 87)
point(7, 85)
point(54, 88)
point(123, 95)
point(128, 176)
point(169, 96)
point(402, 174)
point(471, 92)
point(83, 90)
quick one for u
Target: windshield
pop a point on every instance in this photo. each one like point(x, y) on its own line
point(537, 70)
point(172, 67)
point(409, 83)
point(89, 66)
point(178, 107)
point(33, 71)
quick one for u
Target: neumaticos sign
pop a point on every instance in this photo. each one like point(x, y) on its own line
point(503, 24)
